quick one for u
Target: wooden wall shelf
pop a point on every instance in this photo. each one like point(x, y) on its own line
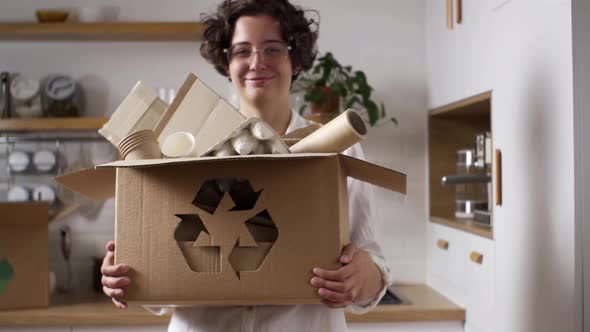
point(465, 225)
point(450, 128)
point(121, 31)
point(51, 124)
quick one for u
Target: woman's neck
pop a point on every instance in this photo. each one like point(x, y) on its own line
point(277, 115)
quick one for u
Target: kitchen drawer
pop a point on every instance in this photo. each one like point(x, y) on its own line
point(480, 283)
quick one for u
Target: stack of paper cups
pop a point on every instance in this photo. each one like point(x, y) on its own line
point(336, 136)
point(140, 145)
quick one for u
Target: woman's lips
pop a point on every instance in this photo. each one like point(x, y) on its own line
point(259, 81)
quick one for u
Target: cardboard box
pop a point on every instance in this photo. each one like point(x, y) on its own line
point(237, 230)
point(24, 255)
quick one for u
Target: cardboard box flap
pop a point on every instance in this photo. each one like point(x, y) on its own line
point(374, 174)
point(174, 161)
point(94, 183)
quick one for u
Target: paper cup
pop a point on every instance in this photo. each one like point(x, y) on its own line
point(179, 144)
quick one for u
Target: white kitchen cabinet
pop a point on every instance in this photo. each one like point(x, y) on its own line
point(161, 328)
point(467, 283)
point(35, 329)
point(522, 53)
point(479, 299)
point(407, 327)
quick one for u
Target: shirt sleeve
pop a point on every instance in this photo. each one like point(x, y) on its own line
point(362, 231)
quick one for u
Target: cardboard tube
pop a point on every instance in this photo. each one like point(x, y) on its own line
point(336, 136)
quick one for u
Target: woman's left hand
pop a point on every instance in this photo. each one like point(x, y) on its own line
point(359, 279)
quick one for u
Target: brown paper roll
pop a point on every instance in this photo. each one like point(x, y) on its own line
point(336, 136)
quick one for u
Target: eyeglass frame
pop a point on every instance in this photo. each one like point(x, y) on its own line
point(227, 53)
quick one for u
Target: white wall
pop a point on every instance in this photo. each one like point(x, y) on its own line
point(383, 38)
point(581, 66)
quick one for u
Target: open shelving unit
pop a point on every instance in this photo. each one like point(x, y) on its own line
point(450, 128)
point(119, 31)
point(15, 125)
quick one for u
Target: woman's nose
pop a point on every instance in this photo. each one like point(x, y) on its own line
point(256, 62)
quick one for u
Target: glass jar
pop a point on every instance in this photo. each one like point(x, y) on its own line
point(62, 96)
point(26, 97)
point(469, 195)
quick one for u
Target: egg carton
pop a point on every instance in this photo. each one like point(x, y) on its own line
point(253, 136)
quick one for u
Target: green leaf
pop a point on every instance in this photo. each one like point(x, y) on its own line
point(6, 274)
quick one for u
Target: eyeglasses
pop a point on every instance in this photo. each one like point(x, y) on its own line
point(271, 52)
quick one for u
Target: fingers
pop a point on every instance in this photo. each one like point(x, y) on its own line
point(348, 253)
point(340, 287)
point(113, 292)
point(114, 270)
point(335, 275)
point(113, 282)
point(110, 246)
point(335, 305)
point(336, 297)
point(119, 304)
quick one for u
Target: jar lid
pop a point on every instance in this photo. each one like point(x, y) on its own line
point(60, 87)
point(18, 194)
point(22, 88)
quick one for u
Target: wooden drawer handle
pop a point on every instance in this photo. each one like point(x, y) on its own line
point(444, 245)
point(476, 257)
point(498, 177)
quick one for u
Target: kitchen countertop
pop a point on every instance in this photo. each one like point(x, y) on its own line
point(421, 304)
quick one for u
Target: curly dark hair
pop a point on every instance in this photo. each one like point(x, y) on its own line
point(298, 31)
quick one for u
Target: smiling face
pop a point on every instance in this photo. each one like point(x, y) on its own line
point(259, 80)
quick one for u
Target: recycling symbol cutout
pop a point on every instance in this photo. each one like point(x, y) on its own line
point(230, 220)
point(6, 274)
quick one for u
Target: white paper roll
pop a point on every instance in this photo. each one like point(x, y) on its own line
point(261, 131)
point(244, 143)
point(226, 149)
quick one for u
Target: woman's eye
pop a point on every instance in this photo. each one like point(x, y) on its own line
point(242, 52)
point(272, 51)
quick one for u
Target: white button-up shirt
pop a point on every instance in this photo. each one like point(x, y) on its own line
point(302, 317)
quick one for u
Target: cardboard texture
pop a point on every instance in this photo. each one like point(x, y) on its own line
point(238, 230)
point(200, 111)
point(24, 258)
point(141, 109)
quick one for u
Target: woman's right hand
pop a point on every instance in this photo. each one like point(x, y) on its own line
point(113, 280)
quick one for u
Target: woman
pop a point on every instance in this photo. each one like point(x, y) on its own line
point(261, 46)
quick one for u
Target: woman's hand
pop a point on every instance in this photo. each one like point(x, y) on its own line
point(358, 280)
point(113, 280)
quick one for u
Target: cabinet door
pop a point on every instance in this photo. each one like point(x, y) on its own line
point(446, 267)
point(532, 119)
point(480, 283)
point(458, 59)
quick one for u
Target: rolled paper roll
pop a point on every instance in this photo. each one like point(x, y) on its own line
point(261, 148)
point(244, 143)
point(261, 131)
point(337, 135)
point(226, 149)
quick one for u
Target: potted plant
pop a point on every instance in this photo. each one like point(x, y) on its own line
point(328, 83)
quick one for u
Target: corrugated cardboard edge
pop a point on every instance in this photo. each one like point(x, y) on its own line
point(175, 161)
point(94, 183)
point(374, 174)
point(99, 183)
point(229, 302)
